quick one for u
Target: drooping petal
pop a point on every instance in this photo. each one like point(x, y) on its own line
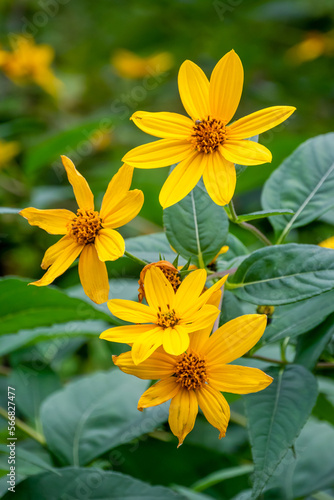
point(190, 289)
point(118, 187)
point(226, 84)
point(235, 338)
point(158, 153)
point(158, 290)
point(109, 244)
point(175, 340)
point(55, 251)
point(219, 178)
point(53, 221)
point(215, 408)
point(238, 379)
point(93, 275)
point(194, 90)
point(159, 393)
point(157, 366)
point(182, 179)
point(62, 262)
point(146, 344)
point(204, 318)
point(245, 152)
point(81, 189)
point(164, 125)
point(125, 210)
point(131, 311)
point(259, 122)
point(182, 413)
point(126, 334)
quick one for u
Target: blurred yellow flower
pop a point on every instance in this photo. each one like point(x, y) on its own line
point(130, 65)
point(8, 151)
point(329, 243)
point(169, 317)
point(88, 232)
point(314, 45)
point(205, 145)
point(197, 377)
point(28, 62)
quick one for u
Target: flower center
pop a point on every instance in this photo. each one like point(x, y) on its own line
point(190, 371)
point(208, 135)
point(85, 226)
point(173, 277)
point(167, 319)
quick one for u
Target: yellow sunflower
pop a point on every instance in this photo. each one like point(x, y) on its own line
point(88, 233)
point(197, 377)
point(205, 144)
point(168, 318)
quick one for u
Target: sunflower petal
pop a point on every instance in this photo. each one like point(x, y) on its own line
point(204, 318)
point(259, 122)
point(159, 393)
point(245, 152)
point(182, 179)
point(215, 408)
point(238, 379)
point(158, 290)
point(55, 251)
point(53, 221)
point(190, 289)
point(194, 90)
point(175, 340)
point(146, 344)
point(164, 125)
point(109, 244)
point(125, 210)
point(158, 153)
point(93, 275)
point(205, 297)
point(82, 192)
point(226, 84)
point(199, 338)
point(219, 178)
point(182, 413)
point(117, 189)
point(126, 334)
point(157, 366)
point(131, 311)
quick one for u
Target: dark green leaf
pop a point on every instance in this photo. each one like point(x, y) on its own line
point(262, 214)
point(311, 345)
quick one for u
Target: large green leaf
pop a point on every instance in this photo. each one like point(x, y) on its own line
point(311, 345)
point(23, 307)
point(276, 417)
point(283, 274)
point(94, 414)
point(304, 183)
point(150, 247)
point(73, 483)
point(196, 227)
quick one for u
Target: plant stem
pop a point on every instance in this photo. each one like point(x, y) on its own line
point(135, 259)
point(25, 428)
point(249, 227)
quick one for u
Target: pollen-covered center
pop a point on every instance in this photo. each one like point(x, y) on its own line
point(167, 319)
point(208, 135)
point(85, 226)
point(190, 371)
point(173, 277)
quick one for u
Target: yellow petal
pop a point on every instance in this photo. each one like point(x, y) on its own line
point(206, 296)
point(125, 210)
point(131, 311)
point(175, 340)
point(219, 178)
point(194, 90)
point(182, 179)
point(235, 338)
point(190, 289)
point(158, 153)
point(158, 290)
point(182, 413)
point(259, 122)
point(146, 344)
point(82, 192)
point(329, 243)
point(157, 366)
point(164, 125)
point(118, 187)
point(215, 408)
point(126, 334)
point(93, 275)
point(245, 152)
point(53, 221)
point(204, 318)
point(55, 251)
point(238, 379)
point(159, 393)
point(199, 338)
point(109, 244)
point(63, 262)
point(226, 84)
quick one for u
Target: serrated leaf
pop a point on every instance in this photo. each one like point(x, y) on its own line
point(263, 214)
point(276, 417)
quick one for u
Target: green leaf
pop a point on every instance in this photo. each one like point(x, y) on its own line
point(304, 183)
point(26, 307)
point(311, 345)
point(222, 475)
point(8, 210)
point(283, 274)
point(276, 417)
point(73, 483)
point(196, 227)
point(262, 214)
point(149, 247)
point(94, 414)
point(27, 462)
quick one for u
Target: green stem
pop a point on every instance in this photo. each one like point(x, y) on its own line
point(25, 428)
point(249, 227)
point(135, 259)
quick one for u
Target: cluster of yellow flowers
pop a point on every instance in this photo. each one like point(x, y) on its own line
point(171, 338)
